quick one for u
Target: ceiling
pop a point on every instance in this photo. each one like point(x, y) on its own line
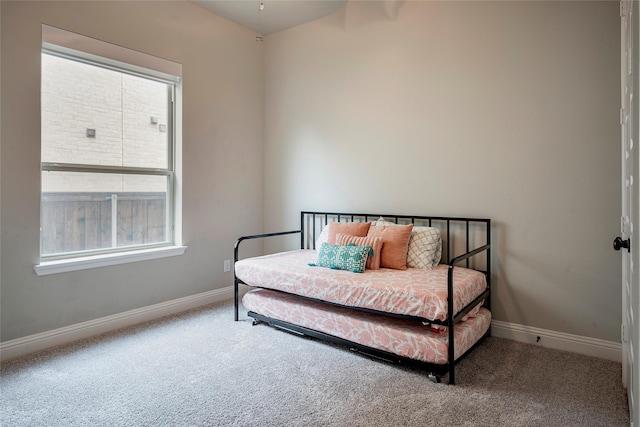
point(276, 15)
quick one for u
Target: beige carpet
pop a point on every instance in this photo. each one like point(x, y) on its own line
point(202, 369)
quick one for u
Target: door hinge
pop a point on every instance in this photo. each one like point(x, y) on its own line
point(625, 226)
point(622, 11)
point(622, 116)
point(623, 333)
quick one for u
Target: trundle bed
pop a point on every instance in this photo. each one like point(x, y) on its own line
point(414, 303)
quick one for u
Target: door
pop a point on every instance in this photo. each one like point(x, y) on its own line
point(627, 243)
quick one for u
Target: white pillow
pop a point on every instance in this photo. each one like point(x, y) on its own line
point(322, 237)
point(425, 246)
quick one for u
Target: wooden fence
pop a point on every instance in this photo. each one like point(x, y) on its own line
point(84, 221)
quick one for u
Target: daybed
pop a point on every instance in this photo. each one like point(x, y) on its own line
point(413, 303)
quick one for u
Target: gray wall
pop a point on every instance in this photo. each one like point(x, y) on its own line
point(501, 109)
point(222, 150)
point(506, 110)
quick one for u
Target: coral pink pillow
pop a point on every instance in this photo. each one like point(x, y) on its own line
point(395, 245)
point(373, 262)
point(358, 229)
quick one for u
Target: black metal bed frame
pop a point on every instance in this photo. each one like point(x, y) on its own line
point(308, 225)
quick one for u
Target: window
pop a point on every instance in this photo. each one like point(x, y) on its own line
point(108, 149)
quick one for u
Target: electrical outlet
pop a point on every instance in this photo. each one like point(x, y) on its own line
point(227, 265)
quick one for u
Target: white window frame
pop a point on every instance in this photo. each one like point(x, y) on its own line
point(96, 52)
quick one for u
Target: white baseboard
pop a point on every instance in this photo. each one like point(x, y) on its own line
point(21, 346)
point(543, 337)
point(558, 340)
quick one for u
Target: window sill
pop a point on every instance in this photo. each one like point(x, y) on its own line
point(75, 264)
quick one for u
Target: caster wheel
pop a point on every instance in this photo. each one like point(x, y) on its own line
point(434, 378)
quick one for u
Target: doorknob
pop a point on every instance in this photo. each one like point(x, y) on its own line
point(619, 243)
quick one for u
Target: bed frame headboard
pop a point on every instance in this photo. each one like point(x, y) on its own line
point(459, 235)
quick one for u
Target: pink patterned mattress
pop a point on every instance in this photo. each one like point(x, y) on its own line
point(413, 292)
point(402, 337)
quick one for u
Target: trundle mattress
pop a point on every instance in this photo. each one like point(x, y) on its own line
point(412, 292)
point(405, 338)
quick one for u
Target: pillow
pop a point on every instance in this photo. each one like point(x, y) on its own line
point(359, 229)
point(373, 261)
point(395, 244)
point(425, 246)
point(351, 257)
point(324, 235)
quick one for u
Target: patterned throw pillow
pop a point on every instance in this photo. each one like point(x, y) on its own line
point(425, 246)
point(373, 261)
point(351, 257)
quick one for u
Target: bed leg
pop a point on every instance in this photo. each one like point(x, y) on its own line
point(235, 293)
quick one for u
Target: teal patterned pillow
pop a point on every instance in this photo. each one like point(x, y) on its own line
point(352, 258)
